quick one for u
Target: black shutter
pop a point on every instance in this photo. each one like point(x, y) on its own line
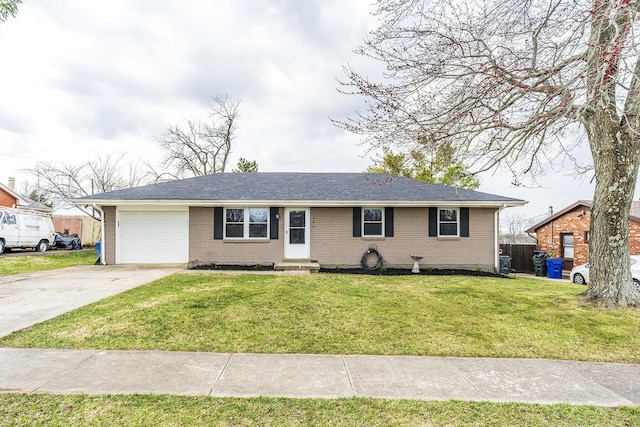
point(273, 232)
point(388, 222)
point(218, 223)
point(357, 222)
point(433, 222)
point(464, 222)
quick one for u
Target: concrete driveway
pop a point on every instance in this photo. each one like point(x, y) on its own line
point(26, 299)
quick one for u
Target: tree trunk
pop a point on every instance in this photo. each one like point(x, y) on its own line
point(616, 157)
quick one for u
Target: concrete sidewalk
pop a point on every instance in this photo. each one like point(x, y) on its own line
point(319, 376)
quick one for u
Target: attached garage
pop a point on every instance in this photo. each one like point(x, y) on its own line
point(152, 237)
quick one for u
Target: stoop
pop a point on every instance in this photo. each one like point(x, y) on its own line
point(309, 265)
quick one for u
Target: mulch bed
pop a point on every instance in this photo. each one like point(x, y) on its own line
point(196, 265)
point(406, 272)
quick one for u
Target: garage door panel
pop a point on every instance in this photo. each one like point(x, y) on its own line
point(151, 237)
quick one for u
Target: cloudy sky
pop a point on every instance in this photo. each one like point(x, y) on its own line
point(81, 78)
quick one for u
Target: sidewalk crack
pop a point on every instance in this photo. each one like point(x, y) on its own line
point(449, 361)
point(224, 368)
point(92, 355)
point(346, 370)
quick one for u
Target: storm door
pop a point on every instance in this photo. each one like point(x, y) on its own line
point(567, 241)
point(296, 233)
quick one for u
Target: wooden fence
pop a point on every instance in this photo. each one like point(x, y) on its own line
point(521, 256)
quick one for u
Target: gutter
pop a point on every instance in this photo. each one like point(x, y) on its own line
point(297, 203)
point(102, 242)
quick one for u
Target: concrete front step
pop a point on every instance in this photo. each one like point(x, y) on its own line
point(297, 265)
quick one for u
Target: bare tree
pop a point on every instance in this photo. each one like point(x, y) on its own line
point(513, 227)
point(511, 82)
point(8, 8)
point(31, 191)
point(200, 148)
point(62, 182)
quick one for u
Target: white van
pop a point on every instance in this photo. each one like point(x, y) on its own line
point(25, 229)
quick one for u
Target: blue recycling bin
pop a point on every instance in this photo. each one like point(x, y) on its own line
point(99, 250)
point(554, 268)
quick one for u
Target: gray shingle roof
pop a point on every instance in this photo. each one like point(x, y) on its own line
point(287, 186)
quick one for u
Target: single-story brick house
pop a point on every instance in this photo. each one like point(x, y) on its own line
point(566, 233)
point(330, 218)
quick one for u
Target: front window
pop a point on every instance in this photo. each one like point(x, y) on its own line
point(373, 222)
point(234, 227)
point(448, 222)
point(258, 222)
point(246, 223)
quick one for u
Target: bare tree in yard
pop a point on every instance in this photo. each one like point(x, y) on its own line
point(201, 148)
point(62, 182)
point(513, 227)
point(512, 82)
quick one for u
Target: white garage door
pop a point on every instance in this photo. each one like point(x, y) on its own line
point(152, 237)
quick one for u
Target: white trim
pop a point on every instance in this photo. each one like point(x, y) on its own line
point(149, 208)
point(103, 259)
point(145, 204)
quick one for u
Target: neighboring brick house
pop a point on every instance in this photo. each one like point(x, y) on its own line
point(8, 197)
point(566, 233)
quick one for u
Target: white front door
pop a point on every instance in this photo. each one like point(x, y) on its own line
point(296, 233)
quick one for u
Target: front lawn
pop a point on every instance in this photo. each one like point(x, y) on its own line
point(147, 410)
point(58, 259)
point(344, 314)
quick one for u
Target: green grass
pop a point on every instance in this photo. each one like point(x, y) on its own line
point(344, 314)
point(27, 264)
point(147, 410)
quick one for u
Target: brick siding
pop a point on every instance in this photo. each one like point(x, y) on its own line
point(203, 247)
point(332, 241)
point(333, 244)
point(7, 200)
point(109, 234)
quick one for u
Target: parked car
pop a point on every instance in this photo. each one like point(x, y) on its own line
point(580, 274)
point(21, 228)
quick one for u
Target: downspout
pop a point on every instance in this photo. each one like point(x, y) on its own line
point(102, 248)
point(496, 227)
